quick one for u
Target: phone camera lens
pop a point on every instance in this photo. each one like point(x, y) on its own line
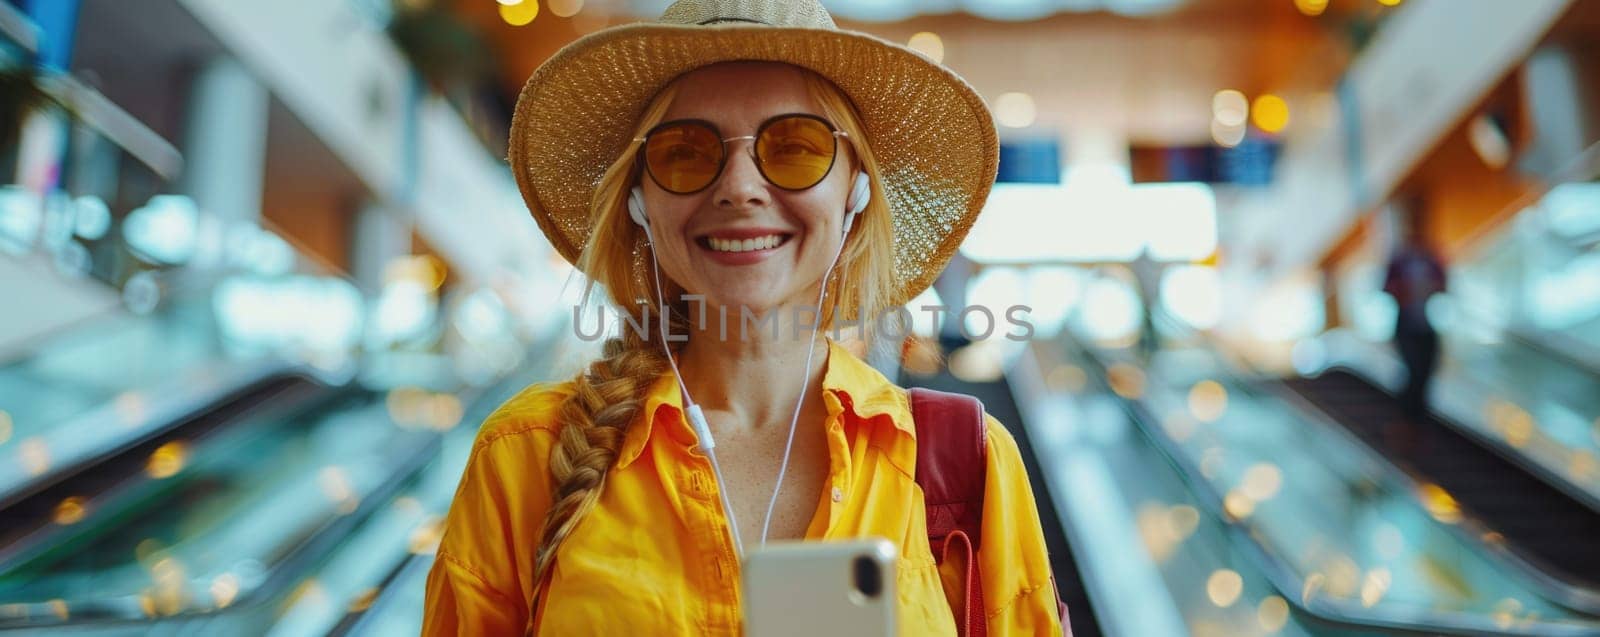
point(868, 580)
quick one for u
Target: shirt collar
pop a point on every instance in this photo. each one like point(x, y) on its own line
point(847, 383)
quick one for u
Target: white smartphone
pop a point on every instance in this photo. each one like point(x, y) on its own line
point(838, 589)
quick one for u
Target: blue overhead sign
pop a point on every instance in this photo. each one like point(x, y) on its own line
point(1030, 161)
point(1248, 164)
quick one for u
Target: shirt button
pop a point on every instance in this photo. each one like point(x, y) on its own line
point(838, 494)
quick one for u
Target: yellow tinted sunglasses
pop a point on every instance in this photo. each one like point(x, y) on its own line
point(793, 151)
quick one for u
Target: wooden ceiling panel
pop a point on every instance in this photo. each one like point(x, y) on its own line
point(1149, 79)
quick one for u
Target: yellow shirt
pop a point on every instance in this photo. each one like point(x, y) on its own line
point(652, 558)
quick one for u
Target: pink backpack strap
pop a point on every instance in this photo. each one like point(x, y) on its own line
point(951, 469)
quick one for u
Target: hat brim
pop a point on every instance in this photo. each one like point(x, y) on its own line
point(931, 133)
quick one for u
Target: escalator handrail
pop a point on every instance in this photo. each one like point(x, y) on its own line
point(1469, 530)
point(1276, 569)
point(1564, 349)
point(165, 411)
point(18, 29)
point(359, 621)
point(304, 556)
point(1025, 377)
point(126, 468)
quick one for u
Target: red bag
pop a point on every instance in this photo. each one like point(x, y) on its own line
point(951, 469)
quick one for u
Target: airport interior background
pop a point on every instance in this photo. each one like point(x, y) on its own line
point(264, 269)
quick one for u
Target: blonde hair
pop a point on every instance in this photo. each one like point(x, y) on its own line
point(609, 393)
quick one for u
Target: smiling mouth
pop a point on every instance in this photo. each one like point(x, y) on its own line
point(754, 244)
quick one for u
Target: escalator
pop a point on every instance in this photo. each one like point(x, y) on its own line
point(1345, 539)
point(120, 477)
point(1156, 558)
point(280, 520)
point(122, 383)
point(1533, 407)
point(1535, 520)
point(212, 539)
point(169, 482)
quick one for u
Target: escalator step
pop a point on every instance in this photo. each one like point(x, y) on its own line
point(1537, 520)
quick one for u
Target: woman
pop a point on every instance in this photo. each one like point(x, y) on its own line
point(742, 163)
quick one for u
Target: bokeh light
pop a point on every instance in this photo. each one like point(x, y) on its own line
point(1015, 110)
point(564, 8)
point(1207, 400)
point(1374, 586)
point(70, 511)
point(165, 230)
point(1230, 107)
point(929, 44)
point(1238, 505)
point(1272, 613)
point(1311, 7)
point(1261, 481)
point(35, 454)
point(521, 13)
point(167, 460)
point(224, 589)
point(1439, 503)
point(92, 219)
point(1126, 380)
point(1225, 135)
point(1223, 587)
point(1270, 113)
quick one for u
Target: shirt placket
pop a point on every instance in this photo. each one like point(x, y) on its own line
point(839, 482)
point(716, 578)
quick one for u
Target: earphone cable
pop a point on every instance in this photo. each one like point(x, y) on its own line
point(692, 409)
point(794, 421)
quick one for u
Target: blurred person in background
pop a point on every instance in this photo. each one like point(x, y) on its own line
point(746, 152)
point(1414, 275)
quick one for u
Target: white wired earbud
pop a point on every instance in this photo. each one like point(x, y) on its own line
point(636, 209)
point(860, 196)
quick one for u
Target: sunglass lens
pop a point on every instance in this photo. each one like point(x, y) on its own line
point(796, 152)
point(683, 158)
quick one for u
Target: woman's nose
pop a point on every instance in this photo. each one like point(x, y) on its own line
point(741, 183)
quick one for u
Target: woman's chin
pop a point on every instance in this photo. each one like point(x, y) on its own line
point(736, 306)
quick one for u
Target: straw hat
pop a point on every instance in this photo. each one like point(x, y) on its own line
point(932, 134)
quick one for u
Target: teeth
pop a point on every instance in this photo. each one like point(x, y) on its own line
point(745, 245)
